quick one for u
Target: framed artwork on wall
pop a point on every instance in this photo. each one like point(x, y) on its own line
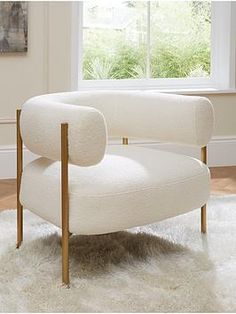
point(13, 26)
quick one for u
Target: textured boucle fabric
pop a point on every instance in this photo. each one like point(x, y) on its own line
point(126, 186)
point(148, 114)
point(131, 186)
point(41, 130)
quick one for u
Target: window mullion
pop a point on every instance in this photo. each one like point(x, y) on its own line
point(80, 40)
point(148, 42)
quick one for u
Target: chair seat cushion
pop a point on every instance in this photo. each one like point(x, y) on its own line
point(131, 186)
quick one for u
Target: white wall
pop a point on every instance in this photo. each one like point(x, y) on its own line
point(47, 68)
point(44, 68)
point(225, 114)
point(22, 76)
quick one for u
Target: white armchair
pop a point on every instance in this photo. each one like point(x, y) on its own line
point(85, 186)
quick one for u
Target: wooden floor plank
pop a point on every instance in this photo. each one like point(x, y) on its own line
point(7, 194)
point(223, 180)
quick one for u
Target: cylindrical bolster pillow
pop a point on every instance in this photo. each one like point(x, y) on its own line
point(40, 125)
point(149, 114)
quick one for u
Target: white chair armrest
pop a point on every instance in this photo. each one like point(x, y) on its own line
point(150, 115)
point(40, 124)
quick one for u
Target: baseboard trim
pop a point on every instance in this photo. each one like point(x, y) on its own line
point(221, 152)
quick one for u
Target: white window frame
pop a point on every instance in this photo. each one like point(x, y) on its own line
point(222, 77)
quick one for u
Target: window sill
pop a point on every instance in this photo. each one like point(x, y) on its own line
point(200, 91)
point(190, 86)
point(180, 91)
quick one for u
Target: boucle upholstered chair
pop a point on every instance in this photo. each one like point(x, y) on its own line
point(87, 187)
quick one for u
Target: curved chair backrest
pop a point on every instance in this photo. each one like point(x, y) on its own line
point(40, 125)
point(148, 115)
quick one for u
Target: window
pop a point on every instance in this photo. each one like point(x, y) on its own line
point(155, 44)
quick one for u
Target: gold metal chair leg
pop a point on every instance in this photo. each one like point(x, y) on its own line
point(203, 208)
point(19, 174)
point(65, 204)
point(203, 219)
point(19, 226)
point(125, 141)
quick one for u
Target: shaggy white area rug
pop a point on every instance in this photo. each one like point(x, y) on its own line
point(164, 267)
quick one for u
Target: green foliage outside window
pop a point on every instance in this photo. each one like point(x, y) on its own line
point(180, 45)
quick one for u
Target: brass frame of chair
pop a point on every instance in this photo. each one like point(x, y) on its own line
point(65, 194)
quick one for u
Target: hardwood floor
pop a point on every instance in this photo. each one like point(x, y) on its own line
point(7, 194)
point(223, 181)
